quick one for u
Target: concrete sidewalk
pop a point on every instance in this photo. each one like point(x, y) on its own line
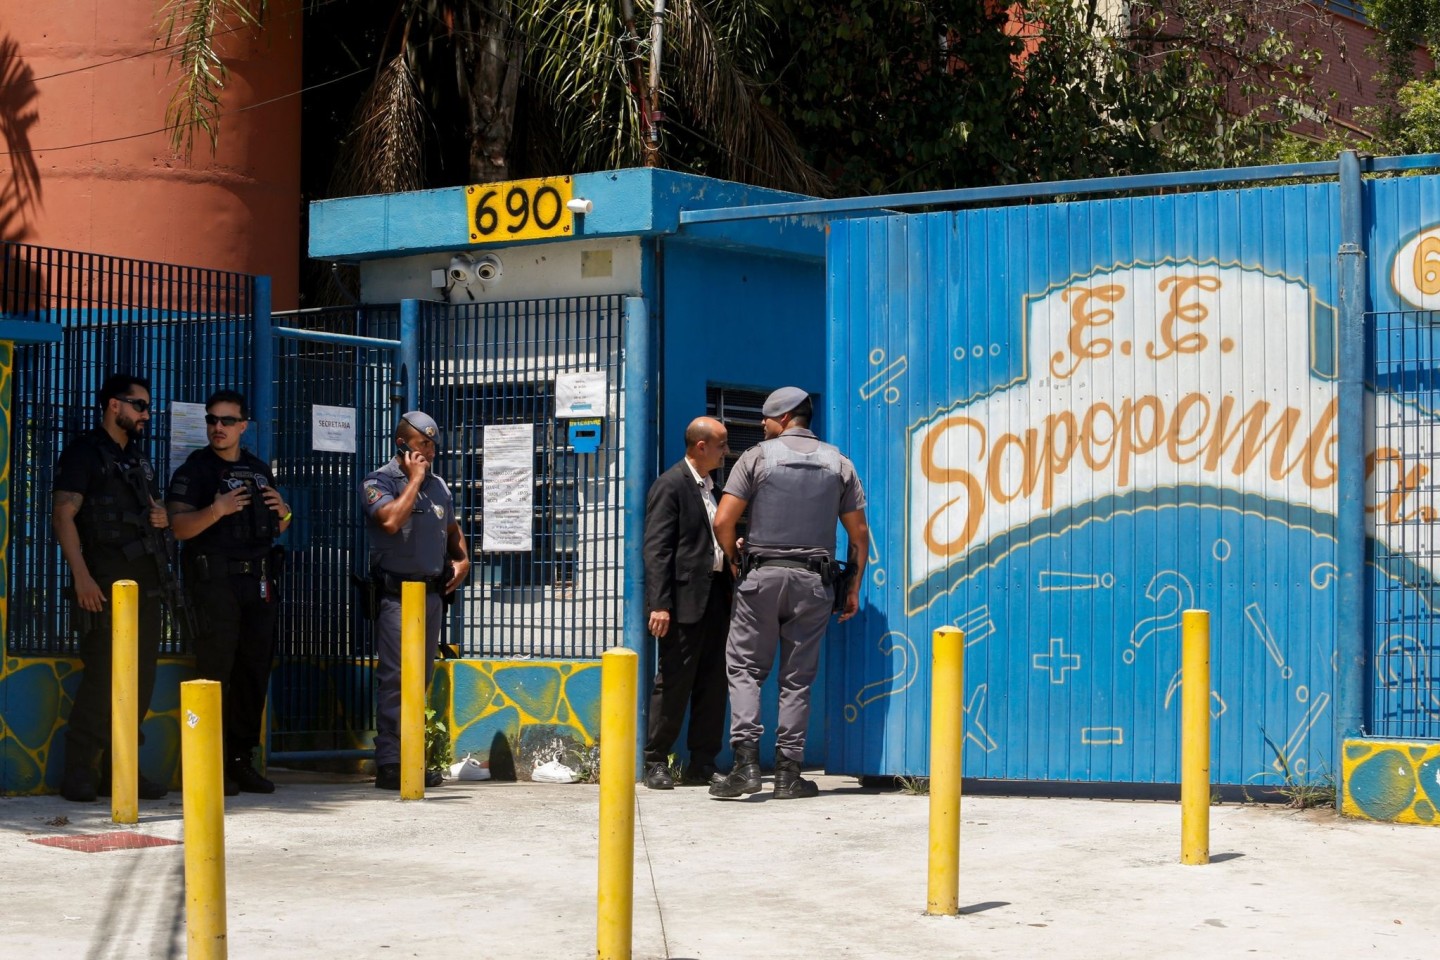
point(331, 867)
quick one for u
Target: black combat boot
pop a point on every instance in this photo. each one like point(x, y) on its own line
point(789, 785)
point(744, 776)
point(81, 781)
point(146, 789)
point(241, 774)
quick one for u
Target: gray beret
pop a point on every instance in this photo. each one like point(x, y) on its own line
point(784, 400)
point(423, 423)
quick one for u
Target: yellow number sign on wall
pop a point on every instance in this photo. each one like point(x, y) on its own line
point(519, 210)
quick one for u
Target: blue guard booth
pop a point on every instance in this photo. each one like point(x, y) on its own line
point(568, 329)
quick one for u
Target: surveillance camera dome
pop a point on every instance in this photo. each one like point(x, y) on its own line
point(488, 268)
point(462, 268)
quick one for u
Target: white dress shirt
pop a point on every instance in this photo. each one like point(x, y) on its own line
point(707, 494)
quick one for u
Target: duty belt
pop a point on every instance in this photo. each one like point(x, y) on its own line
point(390, 582)
point(828, 570)
point(246, 566)
point(759, 562)
point(210, 565)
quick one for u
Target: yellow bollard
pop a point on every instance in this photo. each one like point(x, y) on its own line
point(124, 712)
point(412, 690)
point(947, 741)
point(615, 903)
point(202, 758)
point(1195, 738)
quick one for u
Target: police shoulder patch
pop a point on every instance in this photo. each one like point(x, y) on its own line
point(372, 493)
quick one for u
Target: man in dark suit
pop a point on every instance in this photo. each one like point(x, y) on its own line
point(688, 589)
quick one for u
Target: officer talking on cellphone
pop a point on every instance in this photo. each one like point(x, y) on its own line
point(410, 517)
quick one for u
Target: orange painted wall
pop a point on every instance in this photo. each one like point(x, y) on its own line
point(237, 210)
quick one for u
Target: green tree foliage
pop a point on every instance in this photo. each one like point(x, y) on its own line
point(893, 95)
point(818, 96)
point(1419, 131)
point(896, 95)
point(1404, 26)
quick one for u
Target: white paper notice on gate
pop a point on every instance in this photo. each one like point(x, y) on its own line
point(332, 428)
point(187, 431)
point(580, 395)
point(509, 487)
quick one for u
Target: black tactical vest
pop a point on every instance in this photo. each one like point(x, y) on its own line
point(245, 535)
point(118, 518)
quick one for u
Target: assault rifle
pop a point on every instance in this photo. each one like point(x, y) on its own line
point(159, 547)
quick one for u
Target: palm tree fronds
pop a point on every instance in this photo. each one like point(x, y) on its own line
point(384, 153)
point(195, 102)
point(725, 101)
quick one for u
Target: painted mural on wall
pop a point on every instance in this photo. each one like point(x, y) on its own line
point(1075, 422)
point(512, 714)
point(37, 694)
point(1392, 780)
point(531, 711)
point(7, 369)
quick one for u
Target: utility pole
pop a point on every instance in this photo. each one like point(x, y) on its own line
point(629, 44)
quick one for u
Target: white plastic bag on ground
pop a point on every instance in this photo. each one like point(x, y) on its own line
point(468, 768)
point(553, 772)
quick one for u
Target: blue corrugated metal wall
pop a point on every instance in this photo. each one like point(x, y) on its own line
point(1075, 421)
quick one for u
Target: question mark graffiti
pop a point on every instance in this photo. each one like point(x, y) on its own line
point(1166, 582)
point(1412, 656)
point(893, 644)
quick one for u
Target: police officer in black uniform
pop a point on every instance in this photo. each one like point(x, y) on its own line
point(226, 511)
point(107, 521)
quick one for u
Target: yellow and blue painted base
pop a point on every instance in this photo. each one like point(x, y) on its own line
point(1396, 780)
point(514, 714)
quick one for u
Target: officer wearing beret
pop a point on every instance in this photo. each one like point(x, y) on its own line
point(226, 511)
point(414, 535)
point(796, 487)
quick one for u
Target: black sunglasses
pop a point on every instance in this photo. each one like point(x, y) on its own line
point(140, 405)
point(211, 419)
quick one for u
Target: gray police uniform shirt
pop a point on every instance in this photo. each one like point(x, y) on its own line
point(744, 481)
point(419, 548)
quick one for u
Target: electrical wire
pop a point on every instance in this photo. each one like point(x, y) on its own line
point(169, 127)
point(298, 9)
point(227, 113)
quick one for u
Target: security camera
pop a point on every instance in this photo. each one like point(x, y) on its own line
point(488, 268)
point(579, 205)
point(462, 268)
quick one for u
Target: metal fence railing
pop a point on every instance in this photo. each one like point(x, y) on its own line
point(1405, 695)
point(495, 364)
point(187, 329)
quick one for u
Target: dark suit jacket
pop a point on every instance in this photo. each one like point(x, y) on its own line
point(679, 552)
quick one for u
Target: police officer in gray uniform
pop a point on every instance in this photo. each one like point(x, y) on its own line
point(413, 536)
point(796, 488)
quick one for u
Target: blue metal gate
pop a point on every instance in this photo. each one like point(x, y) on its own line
point(1405, 692)
point(486, 364)
point(187, 329)
point(321, 694)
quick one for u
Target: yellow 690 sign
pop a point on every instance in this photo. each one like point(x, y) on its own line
point(519, 209)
